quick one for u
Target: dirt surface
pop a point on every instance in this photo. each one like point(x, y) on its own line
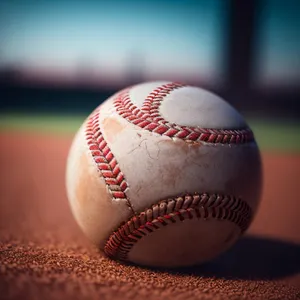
point(44, 255)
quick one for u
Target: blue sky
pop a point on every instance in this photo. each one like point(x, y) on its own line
point(184, 37)
point(168, 36)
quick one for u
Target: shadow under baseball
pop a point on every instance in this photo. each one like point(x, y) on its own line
point(251, 258)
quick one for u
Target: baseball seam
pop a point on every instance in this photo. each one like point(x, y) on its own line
point(149, 118)
point(171, 210)
point(166, 212)
point(105, 161)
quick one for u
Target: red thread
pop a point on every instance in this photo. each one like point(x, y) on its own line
point(149, 118)
point(187, 207)
point(104, 159)
point(179, 209)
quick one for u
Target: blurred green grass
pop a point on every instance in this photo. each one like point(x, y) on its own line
point(52, 123)
point(271, 134)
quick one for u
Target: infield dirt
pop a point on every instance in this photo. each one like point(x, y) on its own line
point(44, 255)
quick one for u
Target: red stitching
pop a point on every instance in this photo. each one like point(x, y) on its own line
point(169, 211)
point(149, 118)
point(105, 160)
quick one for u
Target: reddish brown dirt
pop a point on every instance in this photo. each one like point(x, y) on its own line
point(43, 254)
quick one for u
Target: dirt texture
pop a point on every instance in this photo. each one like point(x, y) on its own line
point(44, 255)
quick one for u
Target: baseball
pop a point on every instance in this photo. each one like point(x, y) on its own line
point(164, 174)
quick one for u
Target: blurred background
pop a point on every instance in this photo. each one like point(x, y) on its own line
point(65, 57)
point(60, 59)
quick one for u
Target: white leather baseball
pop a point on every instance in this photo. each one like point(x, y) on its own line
point(163, 174)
